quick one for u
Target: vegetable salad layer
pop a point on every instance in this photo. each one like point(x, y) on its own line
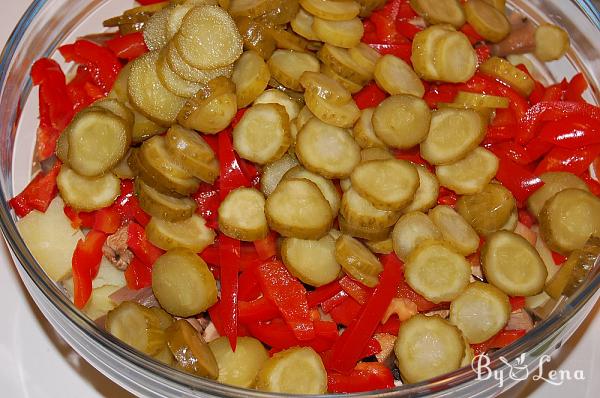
point(311, 196)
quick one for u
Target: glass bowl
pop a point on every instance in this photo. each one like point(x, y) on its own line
point(50, 23)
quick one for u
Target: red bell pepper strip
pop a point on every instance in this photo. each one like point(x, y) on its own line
point(373, 348)
point(138, 275)
point(526, 218)
point(496, 134)
point(471, 33)
point(323, 293)
point(437, 93)
point(447, 197)
point(576, 87)
point(537, 94)
point(356, 290)
point(249, 288)
point(369, 32)
point(289, 295)
point(345, 312)
point(516, 178)
point(573, 161)
point(570, 133)
point(229, 259)
point(207, 200)
point(231, 176)
point(141, 247)
point(483, 52)
point(385, 28)
point(523, 155)
point(100, 61)
point(56, 110)
point(366, 376)
point(390, 327)
point(38, 194)
point(128, 47)
point(500, 340)
point(558, 258)
point(370, 96)
point(85, 264)
point(107, 220)
point(267, 247)
point(592, 184)
point(128, 205)
point(555, 92)
point(73, 215)
point(148, 2)
point(407, 292)
point(547, 111)
point(259, 310)
point(504, 117)
point(402, 51)
point(412, 155)
point(278, 335)
point(347, 350)
point(407, 29)
point(517, 303)
point(486, 85)
point(334, 301)
point(79, 91)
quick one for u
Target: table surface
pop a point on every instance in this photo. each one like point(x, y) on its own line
point(37, 363)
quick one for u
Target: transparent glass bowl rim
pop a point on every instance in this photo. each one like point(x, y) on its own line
point(48, 288)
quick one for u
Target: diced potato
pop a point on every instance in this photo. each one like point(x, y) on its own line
point(411, 230)
point(242, 215)
point(311, 261)
point(471, 174)
point(51, 239)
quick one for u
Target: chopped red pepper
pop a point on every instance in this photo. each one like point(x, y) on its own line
point(407, 29)
point(548, 111)
point(231, 176)
point(56, 110)
point(592, 184)
point(259, 310)
point(345, 312)
point(107, 220)
point(141, 247)
point(517, 179)
point(500, 340)
point(373, 348)
point(483, 52)
point(402, 51)
point(526, 218)
point(79, 89)
point(208, 200)
point(412, 155)
point(517, 303)
point(229, 259)
point(504, 117)
point(277, 334)
point(576, 87)
point(267, 247)
point(558, 258)
point(390, 327)
point(447, 197)
point(573, 161)
point(437, 93)
point(571, 132)
point(249, 288)
point(289, 295)
point(138, 275)
point(471, 33)
point(128, 205)
point(487, 85)
point(323, 293)
point(85, 265)
point(328, 305)
point(496, 134)
point(366, 376)
point(128, 47)
point(347, 350)
point(100, 61)
point(38, 194)
point(356, 290)
point(370, 96)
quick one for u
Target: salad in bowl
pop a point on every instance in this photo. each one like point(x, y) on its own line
point(314, 196)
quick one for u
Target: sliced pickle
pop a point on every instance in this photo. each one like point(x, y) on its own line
point(117, 107)
point(508, 73)
point(345, 34)
point(276, 96)
point(427, 194)
point(274, 172)
point(311, 261)
point(480, 312)
point(574, 271)
point(211, 116)
point(365, 57)
point(171, 80)
point(569, 218)
point(263, 134)
point(302, 25)
point(164, 318)
point(297, 370)
point(440, 11)
point(357, 260)
point(137, 326)
point(191, 351)
point(471, 174)
point(287, 67)
point(332, 10)
point(122, 169)
point(325, 87)
point(256, 36)
point(551, 42)
point(155, 30)
point(158, 169)
point(487, 20)
point(453, 134)
point(188, 72)
point(242, 215)
point(144, 128)
point(348, 84)
point(327, 150)
point(554, 182)
point(385, 246)
point(475, 100)
point(163, 206)
point(395, 76)
point(402, 121)
point(282, 12)
point(183, 284)
point(251, 76)
point(191, 233)
point(454, 58)
point(360, 212)
point(489, 210)
point(326, 186)
point(298, 209)
point(437, 271)
point(512, 264)
point(240, 367)
point(428, 346)
point(368, 6)
point(339, 115)
point(423, 56)
point(148, 95)
point(364, 133)
point(286, 39)
point(388, 184)
point(62, 147)
point(193, 153)
point(455, 229)
point(97, 141)
point(411, 230)
point(87, 193)
point(340, 61)
point(362, 232)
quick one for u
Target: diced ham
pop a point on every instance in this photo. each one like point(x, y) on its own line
point(210, 333)
point(519, 320)
point(143, 296)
